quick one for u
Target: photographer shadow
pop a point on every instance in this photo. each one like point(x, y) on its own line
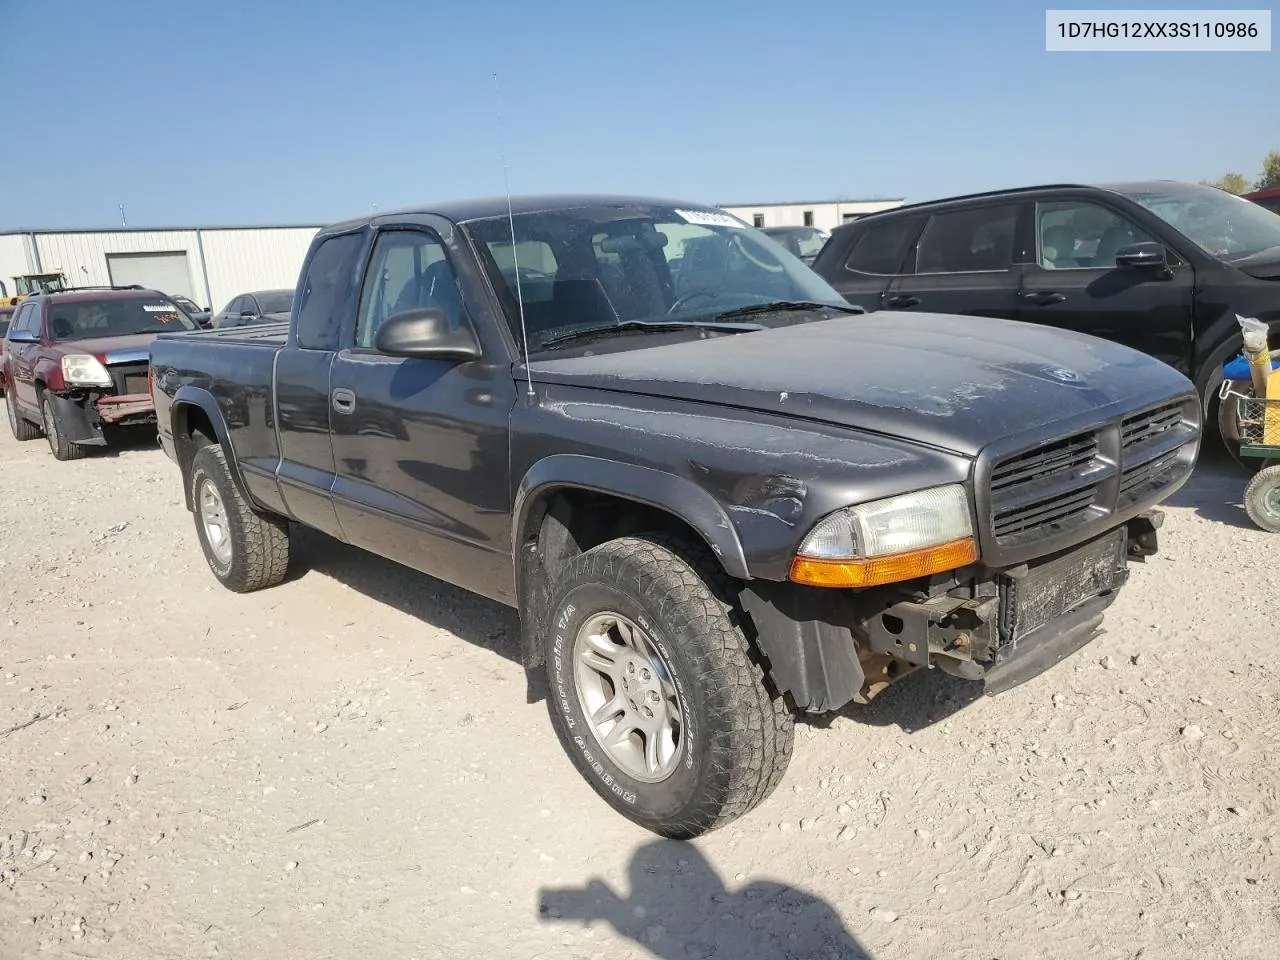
point(679, 908)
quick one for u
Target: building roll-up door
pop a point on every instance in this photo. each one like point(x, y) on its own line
point(166, 272)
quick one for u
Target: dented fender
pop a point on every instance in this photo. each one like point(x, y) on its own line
point(751, 483)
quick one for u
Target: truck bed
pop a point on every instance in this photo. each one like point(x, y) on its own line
point(228, 373)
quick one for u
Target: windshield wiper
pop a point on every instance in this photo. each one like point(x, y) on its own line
point(780, 306)
point(632, 326)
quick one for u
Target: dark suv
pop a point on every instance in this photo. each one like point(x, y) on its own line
point(1161, 266)
point(76, 360)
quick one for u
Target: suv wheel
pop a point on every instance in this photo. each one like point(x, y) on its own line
point(654, 692)
point(62, 448)
point(22, 429)
point(245, 550)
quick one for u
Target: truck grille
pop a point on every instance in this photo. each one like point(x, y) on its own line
point(1053, 486)
point(128, 377)
point(1070, 483)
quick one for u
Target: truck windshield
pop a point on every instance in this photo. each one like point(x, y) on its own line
point(1218, 222)
point(598, 268)
point(83, 320)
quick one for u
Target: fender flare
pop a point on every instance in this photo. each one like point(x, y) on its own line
point(663, 491)
point(198, 397)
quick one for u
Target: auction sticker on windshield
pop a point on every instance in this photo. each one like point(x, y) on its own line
point(708, 218)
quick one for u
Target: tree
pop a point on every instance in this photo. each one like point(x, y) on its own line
point(1231, 183)
point(1270, 172)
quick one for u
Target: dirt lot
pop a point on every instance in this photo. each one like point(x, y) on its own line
point(347, 766)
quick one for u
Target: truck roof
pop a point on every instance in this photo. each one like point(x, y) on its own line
point(479, 208)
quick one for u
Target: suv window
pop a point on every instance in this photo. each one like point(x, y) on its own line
point(325, 291)
point(966, 241)
point(90, 319)
point(883, 246)
point(18, 321)
point(1079, 235)
point(409, 271)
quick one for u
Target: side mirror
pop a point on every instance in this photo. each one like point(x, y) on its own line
point(22, 336)
point(247, 313)
point(1149, 253)
point(425, 335)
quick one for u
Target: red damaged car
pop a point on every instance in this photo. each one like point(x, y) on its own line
point(75, 362)
point(6, 314)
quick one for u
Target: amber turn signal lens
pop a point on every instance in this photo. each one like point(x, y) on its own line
point(879, 570)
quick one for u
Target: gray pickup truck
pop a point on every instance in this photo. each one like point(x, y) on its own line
point(717, 494)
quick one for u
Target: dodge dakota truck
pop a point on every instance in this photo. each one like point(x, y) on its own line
point(717, 493)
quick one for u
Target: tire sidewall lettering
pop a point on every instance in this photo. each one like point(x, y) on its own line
point(595, 762)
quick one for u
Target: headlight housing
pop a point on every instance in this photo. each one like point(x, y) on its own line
point(887, 541)
point(83, 370)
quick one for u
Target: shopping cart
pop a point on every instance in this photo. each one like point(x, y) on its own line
point(1258, 429)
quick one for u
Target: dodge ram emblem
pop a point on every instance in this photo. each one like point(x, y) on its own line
point(1063, 374)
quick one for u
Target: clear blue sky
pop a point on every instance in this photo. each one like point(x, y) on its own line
point(286, 111)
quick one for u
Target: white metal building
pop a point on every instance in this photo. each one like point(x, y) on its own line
point(824, 214)
point(210, 265)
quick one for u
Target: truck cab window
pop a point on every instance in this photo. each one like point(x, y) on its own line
point(325, 292)
point(409, 271)
point(1072, 235)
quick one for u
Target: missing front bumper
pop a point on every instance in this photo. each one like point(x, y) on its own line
point(829, 647)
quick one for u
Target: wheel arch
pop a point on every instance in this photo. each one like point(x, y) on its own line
point(567, 503)
point(195, 420)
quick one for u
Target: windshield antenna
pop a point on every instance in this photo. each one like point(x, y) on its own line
point(511, 222)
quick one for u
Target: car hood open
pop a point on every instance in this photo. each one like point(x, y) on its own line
point(952, 382)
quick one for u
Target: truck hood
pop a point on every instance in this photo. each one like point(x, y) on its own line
point(952, 382)
point(128, 349)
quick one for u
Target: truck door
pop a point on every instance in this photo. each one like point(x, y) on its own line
point(325, 300)
point(421, 445)
point(1075, 283)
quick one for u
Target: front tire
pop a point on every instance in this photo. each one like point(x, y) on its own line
point(654, 692)
point(1262, 499)
point(245, 550)
point(55, 432)
point(23, 430)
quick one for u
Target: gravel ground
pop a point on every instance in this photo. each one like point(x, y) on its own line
point(347, 766)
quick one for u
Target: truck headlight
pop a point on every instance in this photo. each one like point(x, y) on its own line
point(887, 541)
point(82, 370)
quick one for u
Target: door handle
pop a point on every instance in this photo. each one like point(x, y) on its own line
point(344, 401)
point(1044, 297)
point(902, 300)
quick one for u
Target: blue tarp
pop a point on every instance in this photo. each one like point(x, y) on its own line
point(1238, 369)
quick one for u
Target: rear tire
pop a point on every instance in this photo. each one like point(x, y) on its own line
point(1262, 499)
point(23, 430)
point(55, 432)
point(246, 550)
point(649, 622)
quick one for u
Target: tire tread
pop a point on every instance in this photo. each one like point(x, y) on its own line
point(1255, 494)
point(259, 543)
point(694, 595)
